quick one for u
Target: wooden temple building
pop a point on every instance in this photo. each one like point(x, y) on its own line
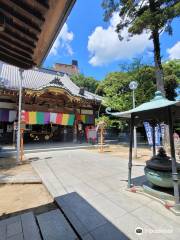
point(52, 105)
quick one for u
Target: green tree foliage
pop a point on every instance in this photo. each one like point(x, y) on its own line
point(172, 67)
point(104, 119)
point(153, 16)
point(115, 87)
point(89, 83)
point(171, 77)
point(110, 122)
point(117, 95)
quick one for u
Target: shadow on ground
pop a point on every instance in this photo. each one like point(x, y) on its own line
point(86, 220)
point(153, 190)
point(36, 210)
point(140, 181)
point(11, 162)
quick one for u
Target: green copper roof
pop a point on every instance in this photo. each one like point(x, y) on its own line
point(157, 102)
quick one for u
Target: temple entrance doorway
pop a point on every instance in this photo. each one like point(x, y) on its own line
point(48, 133)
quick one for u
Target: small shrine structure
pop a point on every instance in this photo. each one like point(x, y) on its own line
point(158, 110)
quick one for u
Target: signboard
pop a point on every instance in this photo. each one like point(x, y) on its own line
point(23, 126)
point(92, 134)
point(87, 111)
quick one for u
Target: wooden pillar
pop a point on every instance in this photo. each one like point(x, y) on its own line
point(173, 159)
point(102, 139)
point(75, 131)
point(130, 152)
point(65, 134)
point(154, 139)
point(14, 132)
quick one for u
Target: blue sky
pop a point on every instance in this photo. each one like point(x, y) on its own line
point(94, 43)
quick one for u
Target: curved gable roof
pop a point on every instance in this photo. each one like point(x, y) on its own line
point(37, 79)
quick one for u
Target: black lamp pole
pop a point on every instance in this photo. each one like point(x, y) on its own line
point(130, 152)
point(154, 139)
point(173, 158)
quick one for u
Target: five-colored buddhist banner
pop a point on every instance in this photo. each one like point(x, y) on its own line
point(48, 117)
point(86, 119)
point(8, 115)
point(45, 117)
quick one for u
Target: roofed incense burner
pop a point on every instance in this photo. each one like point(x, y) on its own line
point(158, 170)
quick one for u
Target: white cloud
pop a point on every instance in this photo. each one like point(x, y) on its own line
point(174, 52)
point(105, 47)
point(63, 41)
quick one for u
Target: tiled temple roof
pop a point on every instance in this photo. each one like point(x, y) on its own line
point(40, 78)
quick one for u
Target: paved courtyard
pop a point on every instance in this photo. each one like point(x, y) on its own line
point(101, 179)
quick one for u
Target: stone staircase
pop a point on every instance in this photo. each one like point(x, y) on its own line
point(73, 219)
point(51, 225)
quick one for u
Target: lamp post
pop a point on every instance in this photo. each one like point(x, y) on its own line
point(133, 85)
point(19, 117)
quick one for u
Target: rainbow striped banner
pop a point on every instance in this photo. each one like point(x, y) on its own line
point(47, 118)
point(86, 119)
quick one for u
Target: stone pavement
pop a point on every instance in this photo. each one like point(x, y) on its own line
point(20, 178)
point(10, 151)
point(101, 179)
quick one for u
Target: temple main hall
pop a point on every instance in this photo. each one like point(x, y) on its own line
point(52, 105)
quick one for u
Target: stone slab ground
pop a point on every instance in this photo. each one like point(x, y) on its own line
point(101, 180)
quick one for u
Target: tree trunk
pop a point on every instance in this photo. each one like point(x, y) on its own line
point(157, 60)
point(157, 50)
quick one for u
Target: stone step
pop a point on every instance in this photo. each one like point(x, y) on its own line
point(23, 227)
point(80, 213)
point(86, 220)
point(54, 226)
